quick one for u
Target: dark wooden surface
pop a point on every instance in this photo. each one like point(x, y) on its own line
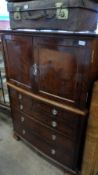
point(65, 68)
point(66, 123)
point(19, 48)
point(28, 128)
point(61, 69)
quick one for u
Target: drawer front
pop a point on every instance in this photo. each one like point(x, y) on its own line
point(58, 119)
point(44, 147)
point(49, 142)
point(46, 133)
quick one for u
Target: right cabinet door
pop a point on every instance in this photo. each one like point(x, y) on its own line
point(61, 67)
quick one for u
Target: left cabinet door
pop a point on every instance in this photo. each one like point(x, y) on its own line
point(18, 59)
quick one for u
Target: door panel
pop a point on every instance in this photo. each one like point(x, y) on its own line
point(61, 66)
point(19, 58)
point(57, 71)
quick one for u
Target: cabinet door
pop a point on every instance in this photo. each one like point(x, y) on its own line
point(19, 58)
point(61, 67)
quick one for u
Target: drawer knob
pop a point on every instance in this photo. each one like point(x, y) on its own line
point(21, 107)
point(23, 132)
point(54, 112)
point(53, 152)
point(54, 124)
point(53, 137)
point(22, 119)
point(19, 96)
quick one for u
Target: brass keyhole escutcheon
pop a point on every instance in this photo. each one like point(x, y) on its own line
point(17, 16)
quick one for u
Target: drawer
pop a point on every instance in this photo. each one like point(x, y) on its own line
point(57, 125)
point(58, 155)
point(61, 120)
point(46, 133)
point(58, 147)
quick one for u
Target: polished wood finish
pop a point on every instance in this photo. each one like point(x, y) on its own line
point(46, 114)
point(50, 79)
point(27, 126)
point(47, 57)
point(20, 49)
point(61, 68)
point(51, 102)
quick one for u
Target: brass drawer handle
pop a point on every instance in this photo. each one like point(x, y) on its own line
point(23, 132)
point(21, 107)
point(54, 124)
point(54, 112)
point(20, 97)
point(53, 151)
point(53, 137)
point(22, 119)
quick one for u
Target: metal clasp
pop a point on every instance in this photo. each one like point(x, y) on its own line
point(35, 69)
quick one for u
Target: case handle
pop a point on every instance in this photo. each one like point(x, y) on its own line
point(36, 15)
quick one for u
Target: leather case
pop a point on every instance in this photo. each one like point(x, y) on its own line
point(59, 15)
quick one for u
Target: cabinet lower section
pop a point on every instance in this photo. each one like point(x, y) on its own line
point(58, 146)
point(46, 150)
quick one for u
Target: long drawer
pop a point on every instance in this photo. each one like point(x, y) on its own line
point(52, 136)
point(46, 140)
point(66, 122)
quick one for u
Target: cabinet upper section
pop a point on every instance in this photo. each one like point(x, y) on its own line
point(61, 68)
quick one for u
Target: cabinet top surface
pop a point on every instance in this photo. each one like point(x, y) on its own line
point(53, 32)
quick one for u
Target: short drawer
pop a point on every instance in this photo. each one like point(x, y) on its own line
point(56, 146)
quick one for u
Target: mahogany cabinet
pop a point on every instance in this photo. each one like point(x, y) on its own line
point(50, 79)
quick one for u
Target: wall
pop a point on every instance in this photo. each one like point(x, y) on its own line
point(4, 25)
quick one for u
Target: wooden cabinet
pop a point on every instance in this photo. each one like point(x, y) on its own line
point(57, 68)
point(50, 79)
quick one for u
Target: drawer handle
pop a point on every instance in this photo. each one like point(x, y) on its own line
point(20, 97)
point(21, 107)
point(53, 152)
point(53, 137)
point(22, 119)
point(23, 132)
point(54, 112)
point(54, 124)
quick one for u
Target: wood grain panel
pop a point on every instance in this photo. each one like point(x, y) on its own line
point(51, 102)
point(61, 149)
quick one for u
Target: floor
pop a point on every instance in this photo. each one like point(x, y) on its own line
point(17, 158)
